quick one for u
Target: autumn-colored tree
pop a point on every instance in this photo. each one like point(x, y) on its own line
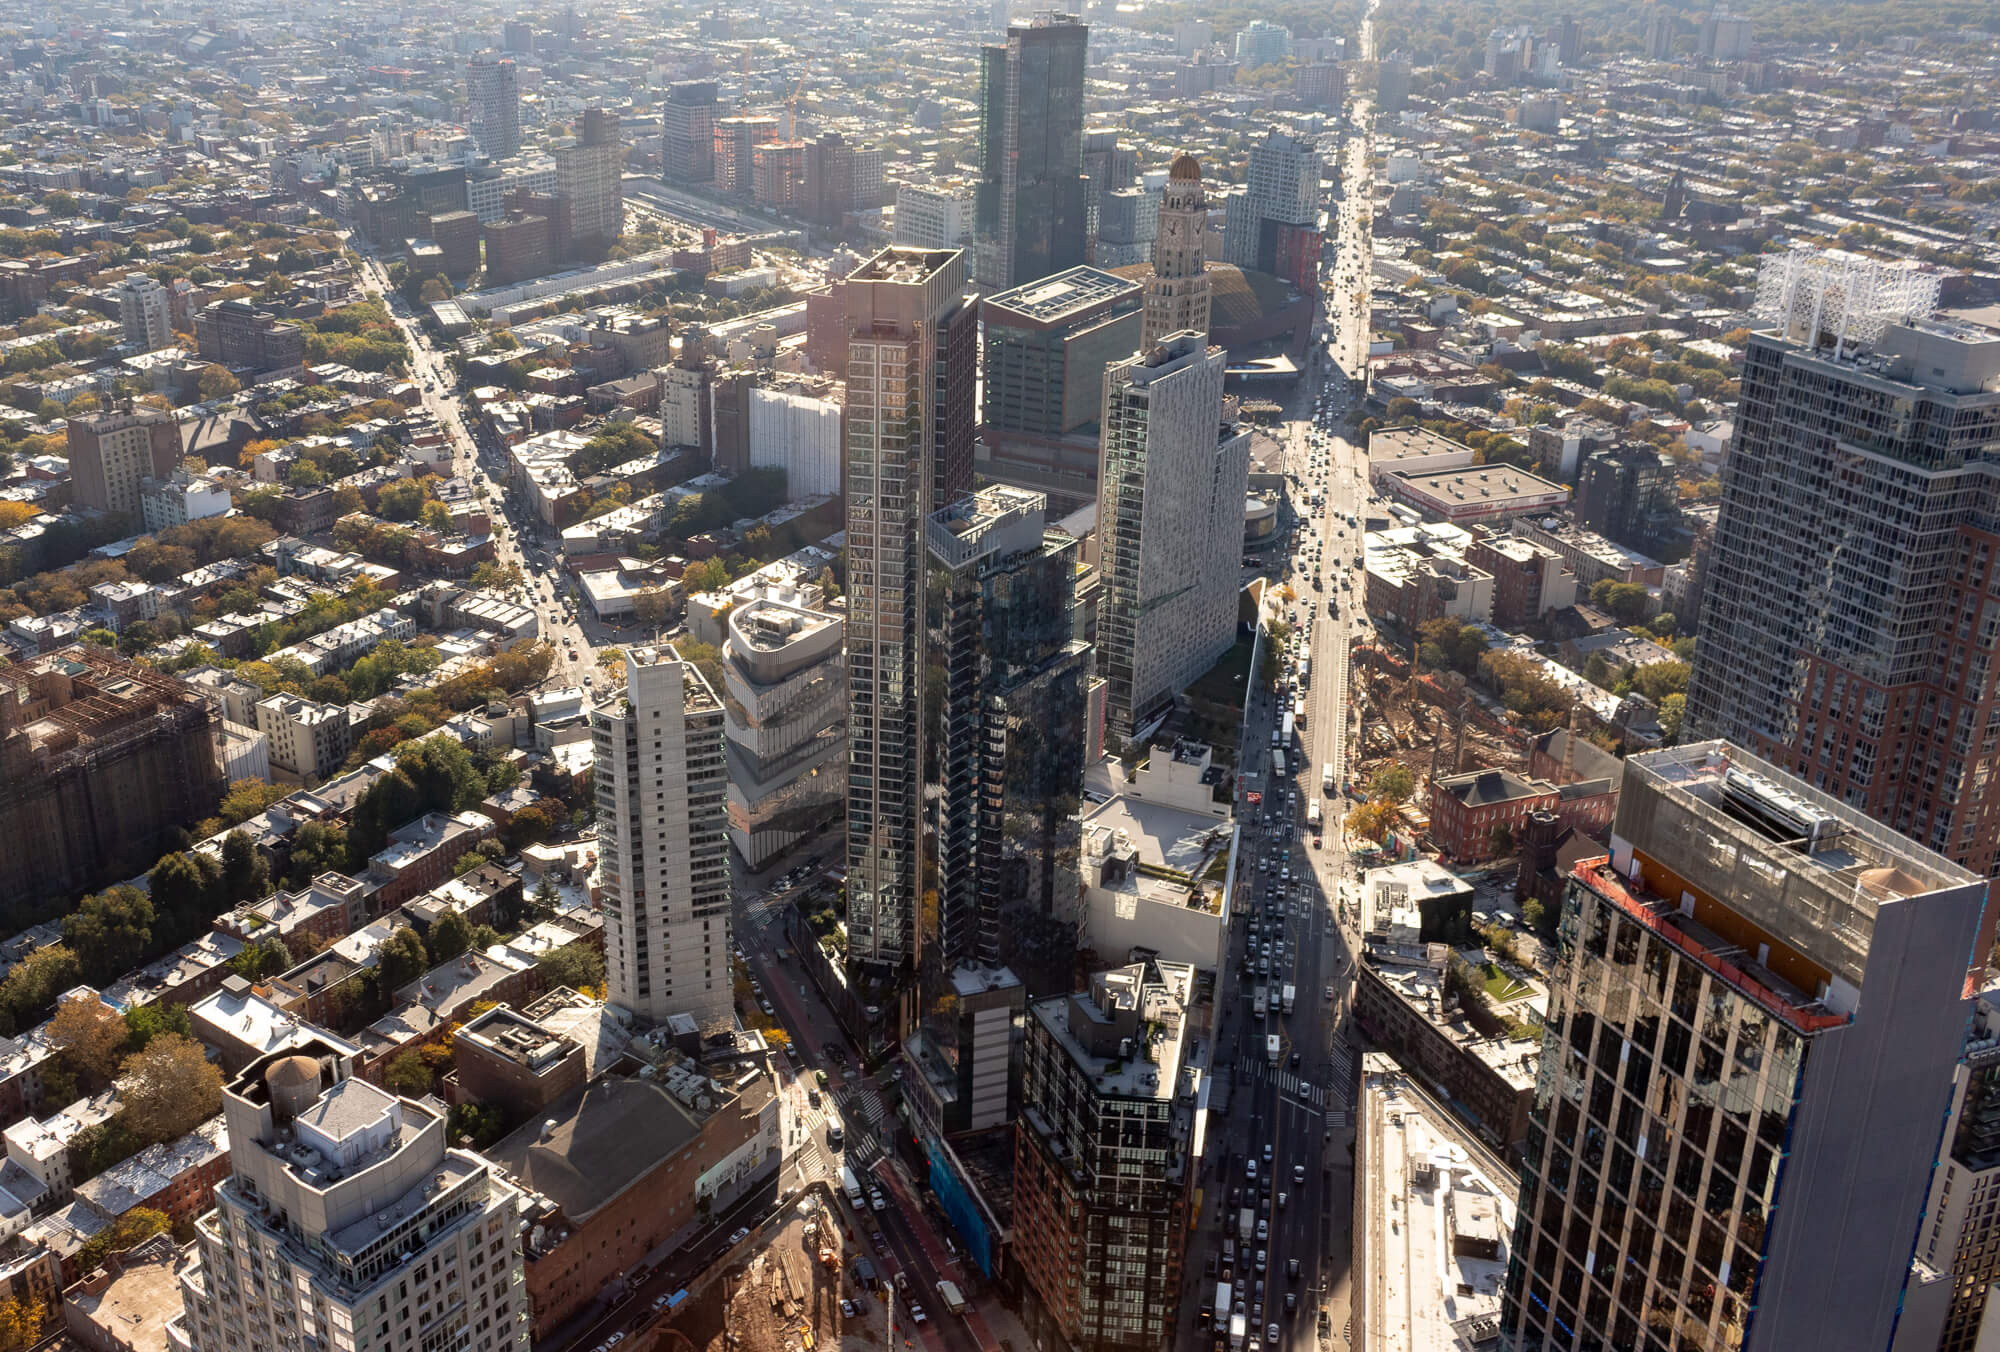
point(1370, 820)
point(21, 1321)
point(215, 382)
point(168, 1089)
point(13, 514)
point(90, 1036)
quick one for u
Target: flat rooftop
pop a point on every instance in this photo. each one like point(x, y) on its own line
point(1436, 1221)
point(1494, 487)
point(1171, 846)
point(1805, 868)
point(1076, 293)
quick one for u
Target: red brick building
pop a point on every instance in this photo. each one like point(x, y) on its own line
point(619, 1161)
point(1466, 808)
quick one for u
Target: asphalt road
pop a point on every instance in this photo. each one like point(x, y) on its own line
point(1300, 1106)
point(546, 588)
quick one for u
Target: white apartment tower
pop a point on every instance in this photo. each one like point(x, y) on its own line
point(663, 842)
point(1281, 187)
point(1169, 526)
point(1177, 294)
point(145, 311)
point(935, 215)
point(347, 1223)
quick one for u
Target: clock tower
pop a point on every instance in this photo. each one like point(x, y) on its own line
point(1178, 291)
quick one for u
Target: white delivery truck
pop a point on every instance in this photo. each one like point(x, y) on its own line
point(851, 1185)
point(1223, 1295)
point(953, 1299)
point(1291, 994)
point(1326, 779)
point(1271, 1048)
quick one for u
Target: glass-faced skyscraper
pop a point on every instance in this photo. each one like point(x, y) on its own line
point(1006, 752)
point(1030, 210)
point(1758, 1011)
point(912, 368)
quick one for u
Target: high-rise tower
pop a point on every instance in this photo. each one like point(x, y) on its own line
point(1031, 213)
point(1273, 224)
point(1759, 1009)
point(662, 831)
point(1169, 526)
point(1008, 755)
point(590, 177)
point(1177, 294)
point(687, 132)
point(1847, 625)
point(349, 1219)
point(495, 99)
point(912, 365)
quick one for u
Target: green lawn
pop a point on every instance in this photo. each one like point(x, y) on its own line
point(1499, 986)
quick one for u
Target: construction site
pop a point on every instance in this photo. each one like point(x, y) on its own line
point(1432, 723)
point(781, 1291)
point(99, 759)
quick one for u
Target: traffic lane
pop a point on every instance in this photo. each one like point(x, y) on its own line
point(943, 1327)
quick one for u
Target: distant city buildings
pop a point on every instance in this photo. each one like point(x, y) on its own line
point(237, 334)
point(589, 177)
point(935, 216)
point(100, 761)
point(1273, 224)
point(113, 453)
point(1261, 43)
point(687, 136)
point(145, 312)
point(1031, 209)
point(494, 97)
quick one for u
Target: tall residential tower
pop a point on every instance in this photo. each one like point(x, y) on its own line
point(1169, 526)
point(662, 832)
point(349, 1221)
point(495, 99)
point(1847, 626)
point(1759, 1009)
point(912, 368)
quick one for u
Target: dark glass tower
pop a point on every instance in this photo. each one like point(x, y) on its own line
point(1031, 216)
point(1009, 682)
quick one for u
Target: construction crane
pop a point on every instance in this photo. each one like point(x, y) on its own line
point(792, 107)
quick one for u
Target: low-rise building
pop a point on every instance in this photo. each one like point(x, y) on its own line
point(1529, 580)
point(1476, 815)
point(1156, 854)
point(1475, 494)
point(626, 1164)
point(1433, 1216)
point(1414, 574)
point(1480, 1059)
point(306, 740)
